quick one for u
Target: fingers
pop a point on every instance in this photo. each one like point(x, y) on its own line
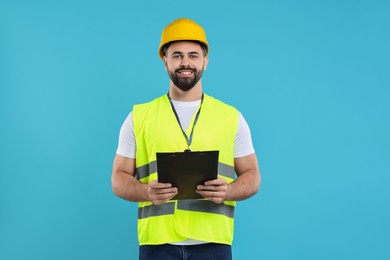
point(161, 192)
point(217, 197)
point(214, 190)
point(213, 185)
point(217, 182)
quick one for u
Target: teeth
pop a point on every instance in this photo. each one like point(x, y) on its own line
point(186, 72)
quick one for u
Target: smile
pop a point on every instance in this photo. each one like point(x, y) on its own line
point(185, 72)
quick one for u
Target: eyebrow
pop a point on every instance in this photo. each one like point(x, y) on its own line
point(181, 53)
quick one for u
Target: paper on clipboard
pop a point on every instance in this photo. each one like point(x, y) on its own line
point(186, 170)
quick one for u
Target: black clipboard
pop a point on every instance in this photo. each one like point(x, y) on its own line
point(186, 170)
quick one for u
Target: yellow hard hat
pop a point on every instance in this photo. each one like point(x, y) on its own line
point(182, 29)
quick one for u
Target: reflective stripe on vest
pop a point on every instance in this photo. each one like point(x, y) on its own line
point(156, 210)
point(147, 169)
point(190, 205)
point(206, 206)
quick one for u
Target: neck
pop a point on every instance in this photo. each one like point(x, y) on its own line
point(192, 95)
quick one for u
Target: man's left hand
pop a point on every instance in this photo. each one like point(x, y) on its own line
point(214, 190)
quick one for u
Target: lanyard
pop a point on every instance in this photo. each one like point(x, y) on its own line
point(188, 139)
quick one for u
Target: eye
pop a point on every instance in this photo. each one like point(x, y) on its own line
point(176, 56)
point(193, 56)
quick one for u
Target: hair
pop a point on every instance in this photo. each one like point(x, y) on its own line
point(166, 46)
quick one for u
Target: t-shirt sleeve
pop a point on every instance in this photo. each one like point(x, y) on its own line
point(126, 143)
point(243, 143)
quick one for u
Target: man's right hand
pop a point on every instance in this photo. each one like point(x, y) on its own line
point(159, 192)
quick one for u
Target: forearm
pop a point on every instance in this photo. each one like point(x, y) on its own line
point(245, 186)
point(128, 187)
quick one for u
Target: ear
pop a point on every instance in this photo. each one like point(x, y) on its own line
point(165, 63)
point(206, 61)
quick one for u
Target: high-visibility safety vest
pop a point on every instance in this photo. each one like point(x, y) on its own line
point(156, 130)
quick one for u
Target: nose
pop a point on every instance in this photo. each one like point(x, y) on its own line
point(185, 61)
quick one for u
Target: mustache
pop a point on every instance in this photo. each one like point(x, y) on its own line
point(185, 68)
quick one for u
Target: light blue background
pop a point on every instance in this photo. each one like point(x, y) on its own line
point(312, 79)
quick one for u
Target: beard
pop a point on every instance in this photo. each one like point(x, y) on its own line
point(185, 83)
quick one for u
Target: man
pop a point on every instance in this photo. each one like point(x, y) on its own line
point(185, 119)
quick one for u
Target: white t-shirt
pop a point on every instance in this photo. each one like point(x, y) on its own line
point(185, 110)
